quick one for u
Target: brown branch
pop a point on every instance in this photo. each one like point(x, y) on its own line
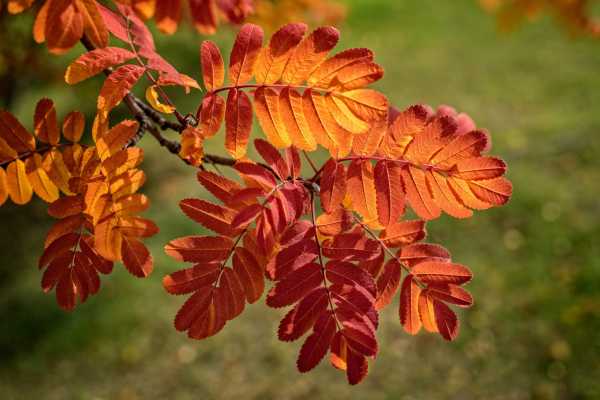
point(151, 121)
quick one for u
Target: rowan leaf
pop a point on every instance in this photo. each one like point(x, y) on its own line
point(317, 344)
point(154, 100)
point(211, 114)
point(199, 248)
point(64, 26)
point(274, 57)
point(73, 126)
point(388, 283)
point(117, 85)
point(409, 305)
point(94, 62)
point(19, 188)
point(333, 185)
point(389, 192)
point(136, 257)
point(45, 123)
point(245, 53)
point(213, 69)
point(435, 272)
point(214, 217)
point(238, 123)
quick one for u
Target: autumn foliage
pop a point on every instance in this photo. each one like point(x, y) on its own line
point(335, 247)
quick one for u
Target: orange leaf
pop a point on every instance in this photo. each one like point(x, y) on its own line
point(108, 241)
point(403, 233)
point(213, 70)
point(117, 85)
point(73, 126)
point(333, 224)
point(291, 110)
point(311, 51)
point(19, 188)
point(40, 182)
point(409, 305)
point(266, 102)
point(3, 187)
point(436, 272)
point(274, 57)
point(64, 26)
point(116, 138)
point(93, 24)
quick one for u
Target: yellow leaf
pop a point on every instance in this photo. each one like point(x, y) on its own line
point(40, 182)
point(3, 187)
point(152, 97)
point(19, 188)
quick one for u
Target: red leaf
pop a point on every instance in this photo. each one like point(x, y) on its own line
point(94, 62)
point(246, 216)
point(293, 159)
point(446, 320)
point(214, 217)
point(273, 159)
point(419, 252)
point(231, 293)
point(451, 294)
point(388, 283)
point(295, 285)
point(389, 191)
point(250, 273)
point(317, 344)
point(199, 248)
point(220, 187)
point(291, 258)
point(345, 273)
point(333, 185)
point(191, 279)
point(437, 272)
point(238, 123)
point(260, 175)
point(136, 258)
point(213, 69)
point(245, 53)
point(302, 317)
point(211, 114)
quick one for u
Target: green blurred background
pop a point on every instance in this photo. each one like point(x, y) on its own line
point(534, 332)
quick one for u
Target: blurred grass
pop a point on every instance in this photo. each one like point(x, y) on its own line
point(534, 331)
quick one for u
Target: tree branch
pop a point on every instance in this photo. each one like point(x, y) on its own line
point(151, 121)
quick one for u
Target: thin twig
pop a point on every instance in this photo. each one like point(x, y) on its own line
point(312, 165)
